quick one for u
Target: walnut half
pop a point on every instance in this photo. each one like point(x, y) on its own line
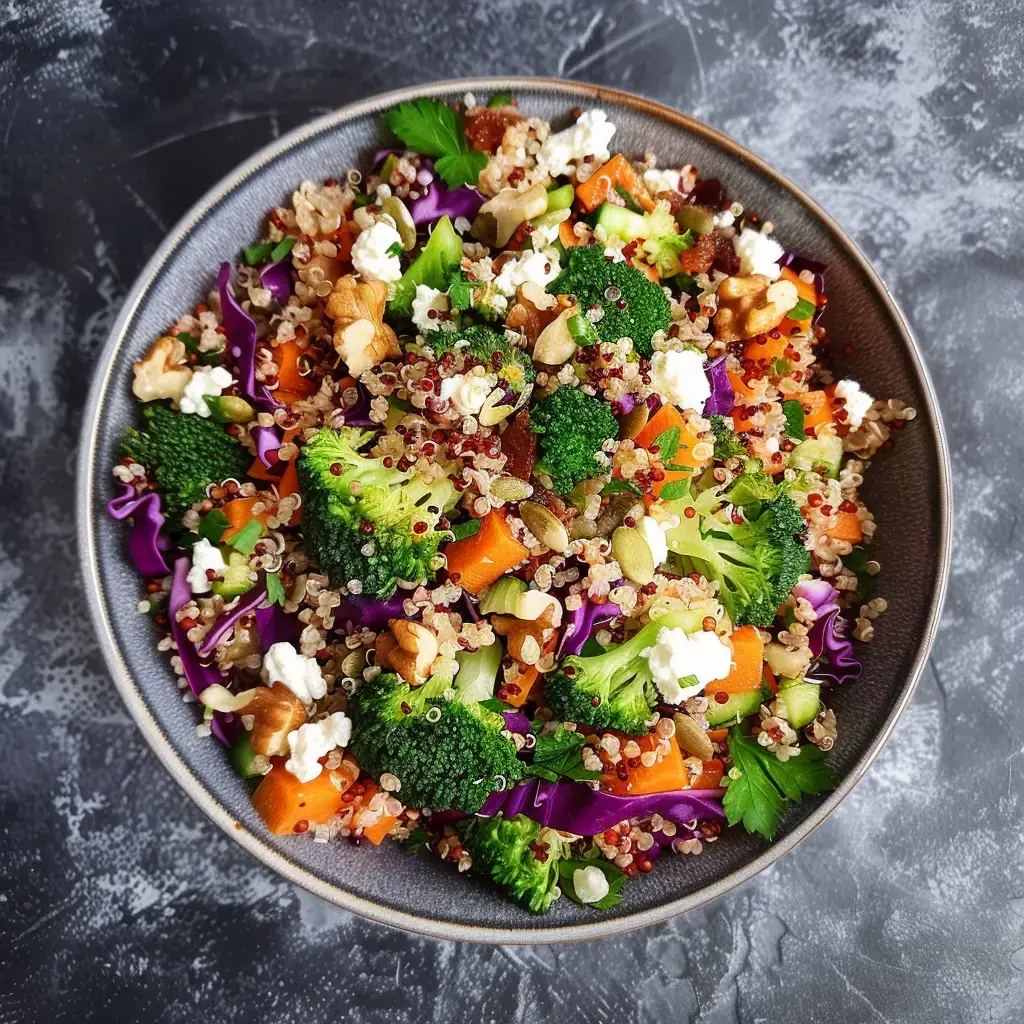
point(162, 374)
point(361, 337)
point(748, 306)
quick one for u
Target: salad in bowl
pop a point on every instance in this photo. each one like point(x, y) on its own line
point(499, 501)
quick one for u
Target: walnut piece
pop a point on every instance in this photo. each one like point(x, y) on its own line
point(361, 337)
point(162, 374)
point(748, 306)
point(526, 637)
point(409, 648)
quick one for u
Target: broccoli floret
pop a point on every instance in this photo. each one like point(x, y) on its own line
point(513, 365)
point(185, 454)
point(364, 521)
point(589, 275)
point(448, 755)
point(614, 690)
point(727, 444)
point(519, 854)
point(757, 562)
point(573, 427)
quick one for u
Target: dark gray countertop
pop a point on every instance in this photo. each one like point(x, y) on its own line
point(119, 901)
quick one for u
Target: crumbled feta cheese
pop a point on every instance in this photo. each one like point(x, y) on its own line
point(205, 380)
point(370, 255)
point(680, 379)
point(462, 225)
point(651, 531)
point(543, 235)
point(204, 556)
point(771, 445)
point(468, 391)
point(540, 268)
point(659, 179)
point(283, 664)
point(857, 402)
point(590, 883)
point(758, 253)
point(314, 740)
point(724, 219)
point(677, 654)
point(589, 136)
point(428, 299)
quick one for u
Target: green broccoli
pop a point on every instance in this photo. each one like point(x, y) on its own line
point(447, 754)
point(756, 562)
point(614, 690)
point(639, 308)
point(573, 428)
point(519, 854)
point(727, 444)
point(185, 454)
point(513, 365)
point(364, 521)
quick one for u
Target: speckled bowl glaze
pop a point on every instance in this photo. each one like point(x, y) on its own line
point(907, 488)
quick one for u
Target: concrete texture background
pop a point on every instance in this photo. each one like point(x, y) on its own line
point(119, 901)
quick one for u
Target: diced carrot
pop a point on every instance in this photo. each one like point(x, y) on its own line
point(718, 735)
point(817, 408)
point(601, 185)
point(260, 472)
point(374, 828)
point(769, 677)
point(346, 382)
point(282, 801)
point(769, 349)
point(649, 271)
point(239, 515)
point(566, 235)
point(804, 290)
point(665, 418)
point(290, 485)
point(491, 552)
point(289, 380)
point(847, 528)
point(527, 679)
point(289, 398)
point(710, 777)
point(664, 776)
point(744, 397)
point(747, 658)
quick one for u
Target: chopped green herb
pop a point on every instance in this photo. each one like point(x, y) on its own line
point(686, 284)
point(500, 99)
point(418, 841)
point(803, 310)
point(467, 529)
point(857, 561)
point(675, 489)
point(258, 253)
point(395, 249)
point(275, 589)
point(615, 486)
point(558, 755)
point(364, 199)
point(616, 880)
point(213, 525)
point(245, 539)
point(460, 291)
point(282, 248)
point(628, 198)
point(780, 367)
point(677, 243)
point(794, 413)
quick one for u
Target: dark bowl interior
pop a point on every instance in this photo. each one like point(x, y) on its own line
point(907, 489)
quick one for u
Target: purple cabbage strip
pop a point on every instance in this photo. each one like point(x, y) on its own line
point(581, 624)
point(439, 200)
point(267, 440)
point(225, 726)
point(368, 611)
point(277, 279)
point(275, 626)
point(470, 604)
point(833, 649)
point(246, 604)
point(798, 263)
point(358, 415)
point(516, 721)
point(575, 807)
point(197, 675)
point(146, 545)
point(624, 405)
point(723, 398)
point(240, 330)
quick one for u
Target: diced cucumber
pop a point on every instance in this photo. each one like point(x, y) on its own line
point(698, 219)
point(388, 167)
point(560, 198)
point(236, 576)
point(500, 597)
point(734, 710)
point(622, 223)
point(478, 671)
point(801, 700)
point(823, 454)
point(242, 756)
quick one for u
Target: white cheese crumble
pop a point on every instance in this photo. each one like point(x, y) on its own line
point(651, 531)
point(540, 268)
point(370, 255)
point(468, 391)
point(680, 379)
point(758, 254)
point(677, 654)
point(204, 556)
point(857, 402)
point(724, 219)
point(428, 299)
point(590, 883)
point(205, 380)
point(589, 136)
point(314, 740)
point(658, 179)
point(283, 664)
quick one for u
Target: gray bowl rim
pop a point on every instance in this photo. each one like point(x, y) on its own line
point(148, 724)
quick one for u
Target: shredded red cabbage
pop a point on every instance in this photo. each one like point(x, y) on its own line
point(245, 605)
point(723, 398)
point(277, 279)
point(516, 721)
point(581, 624)
point(275, 626)
point(367, 611)
point(833, 649)
point(240, 329)
point(439, 201)
point(358, 415)
point(146, 545)
point(267, 440)
point(575, 807)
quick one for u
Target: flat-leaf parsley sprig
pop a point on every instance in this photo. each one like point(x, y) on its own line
point(434, 129)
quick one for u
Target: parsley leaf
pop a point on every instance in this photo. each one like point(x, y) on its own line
point(794, 413)
point(282, 248)
point(803, 310)
point(258, 253)
point(759, 795)
point(460, 291)
point(857, 560)
point(434, 129)
point(213, 525)
point(467, 529)
point(275, 589)
point(675, 489)
point(616, 880)
point(245, 539)
point(686, 283)
point(668, 443)
point(418, 841)
point(557, 755)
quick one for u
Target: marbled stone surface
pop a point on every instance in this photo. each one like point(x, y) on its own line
point(119, 901)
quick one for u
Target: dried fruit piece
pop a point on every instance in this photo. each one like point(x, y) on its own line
point(519, 446)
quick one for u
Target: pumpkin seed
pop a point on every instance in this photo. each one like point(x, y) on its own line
point(396, 210)
point(634, 421)
point(692, 738)
point(229, 409)
point(633, 554)
point(544, 525)
point(511, 488)
point(492, 412)
point(555, 344)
